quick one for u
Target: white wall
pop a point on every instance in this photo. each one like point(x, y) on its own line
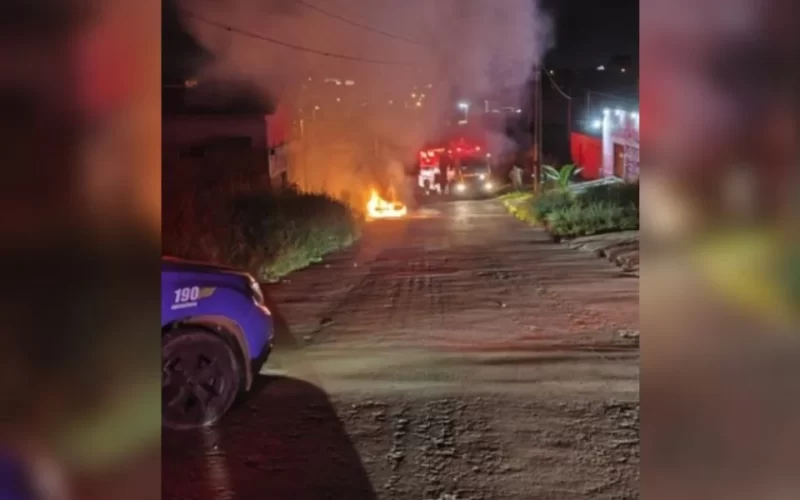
point(608, 146)
point(625, 134)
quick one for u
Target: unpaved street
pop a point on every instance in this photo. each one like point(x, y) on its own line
point(454, 355)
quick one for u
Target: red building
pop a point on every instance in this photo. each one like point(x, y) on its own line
point(615, 153)
point(587, 153)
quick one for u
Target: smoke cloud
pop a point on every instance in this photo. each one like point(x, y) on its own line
point(359, 123)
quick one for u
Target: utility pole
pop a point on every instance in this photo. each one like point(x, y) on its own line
point(588, 103)
point(540, 128)
point(569, 116)
point(537, 130)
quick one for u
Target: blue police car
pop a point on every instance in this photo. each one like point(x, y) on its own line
point(216, 333)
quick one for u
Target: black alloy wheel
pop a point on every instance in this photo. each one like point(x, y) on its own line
point(201, 377)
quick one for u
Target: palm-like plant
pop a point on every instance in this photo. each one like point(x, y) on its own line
point(562, 177)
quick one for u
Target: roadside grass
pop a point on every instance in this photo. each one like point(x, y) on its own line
point(519, 204)
point(269, 234)
point(516, 195)
point(601, 209)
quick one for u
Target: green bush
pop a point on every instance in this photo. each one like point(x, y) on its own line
point(563, 177)
point(622, 194)
point(599, 209)
point(551, 201)
point(594, 218)
point(267, 233)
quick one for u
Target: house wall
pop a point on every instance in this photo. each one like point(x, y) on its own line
point(278, 139)
point(607, 146)
point(179, 131)
point(195, 137)
point(623, 130)
point(587, 153)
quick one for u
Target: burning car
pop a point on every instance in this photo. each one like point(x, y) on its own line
point(379, 208)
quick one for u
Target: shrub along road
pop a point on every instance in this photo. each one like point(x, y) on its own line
point(457, 354)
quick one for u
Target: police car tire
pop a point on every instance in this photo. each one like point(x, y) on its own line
point(230, 370)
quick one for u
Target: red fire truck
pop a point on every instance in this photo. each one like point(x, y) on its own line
point(457, 166)
point(432, 168)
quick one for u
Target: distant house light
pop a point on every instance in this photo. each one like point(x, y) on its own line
point(601, 68)
point(622, 70)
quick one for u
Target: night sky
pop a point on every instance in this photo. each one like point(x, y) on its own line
point(588, 33)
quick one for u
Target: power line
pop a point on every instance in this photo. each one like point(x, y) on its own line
point(357, 24)
point(612, 96)
point(292, 46)
point(553, 81)
point(588, 91)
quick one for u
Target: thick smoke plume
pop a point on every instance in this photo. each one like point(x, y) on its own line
point(359, 123)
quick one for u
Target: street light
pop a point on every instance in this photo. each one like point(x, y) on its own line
point(465, 107)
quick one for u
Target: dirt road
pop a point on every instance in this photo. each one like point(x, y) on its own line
point(455, 355)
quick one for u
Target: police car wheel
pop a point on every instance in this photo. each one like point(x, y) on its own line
point(201, 377)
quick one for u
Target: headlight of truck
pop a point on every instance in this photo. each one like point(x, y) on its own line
point(258, 296)
point(461, 187)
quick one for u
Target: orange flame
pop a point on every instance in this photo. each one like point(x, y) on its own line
point(378, 208)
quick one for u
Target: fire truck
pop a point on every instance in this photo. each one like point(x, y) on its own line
point(458, 167)
point(432, 169)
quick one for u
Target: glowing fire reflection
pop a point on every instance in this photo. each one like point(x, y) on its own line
point(378, 208)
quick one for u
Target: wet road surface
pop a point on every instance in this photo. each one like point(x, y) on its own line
point(456, 354)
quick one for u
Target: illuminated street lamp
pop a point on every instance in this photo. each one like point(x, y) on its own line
point(465, 107)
